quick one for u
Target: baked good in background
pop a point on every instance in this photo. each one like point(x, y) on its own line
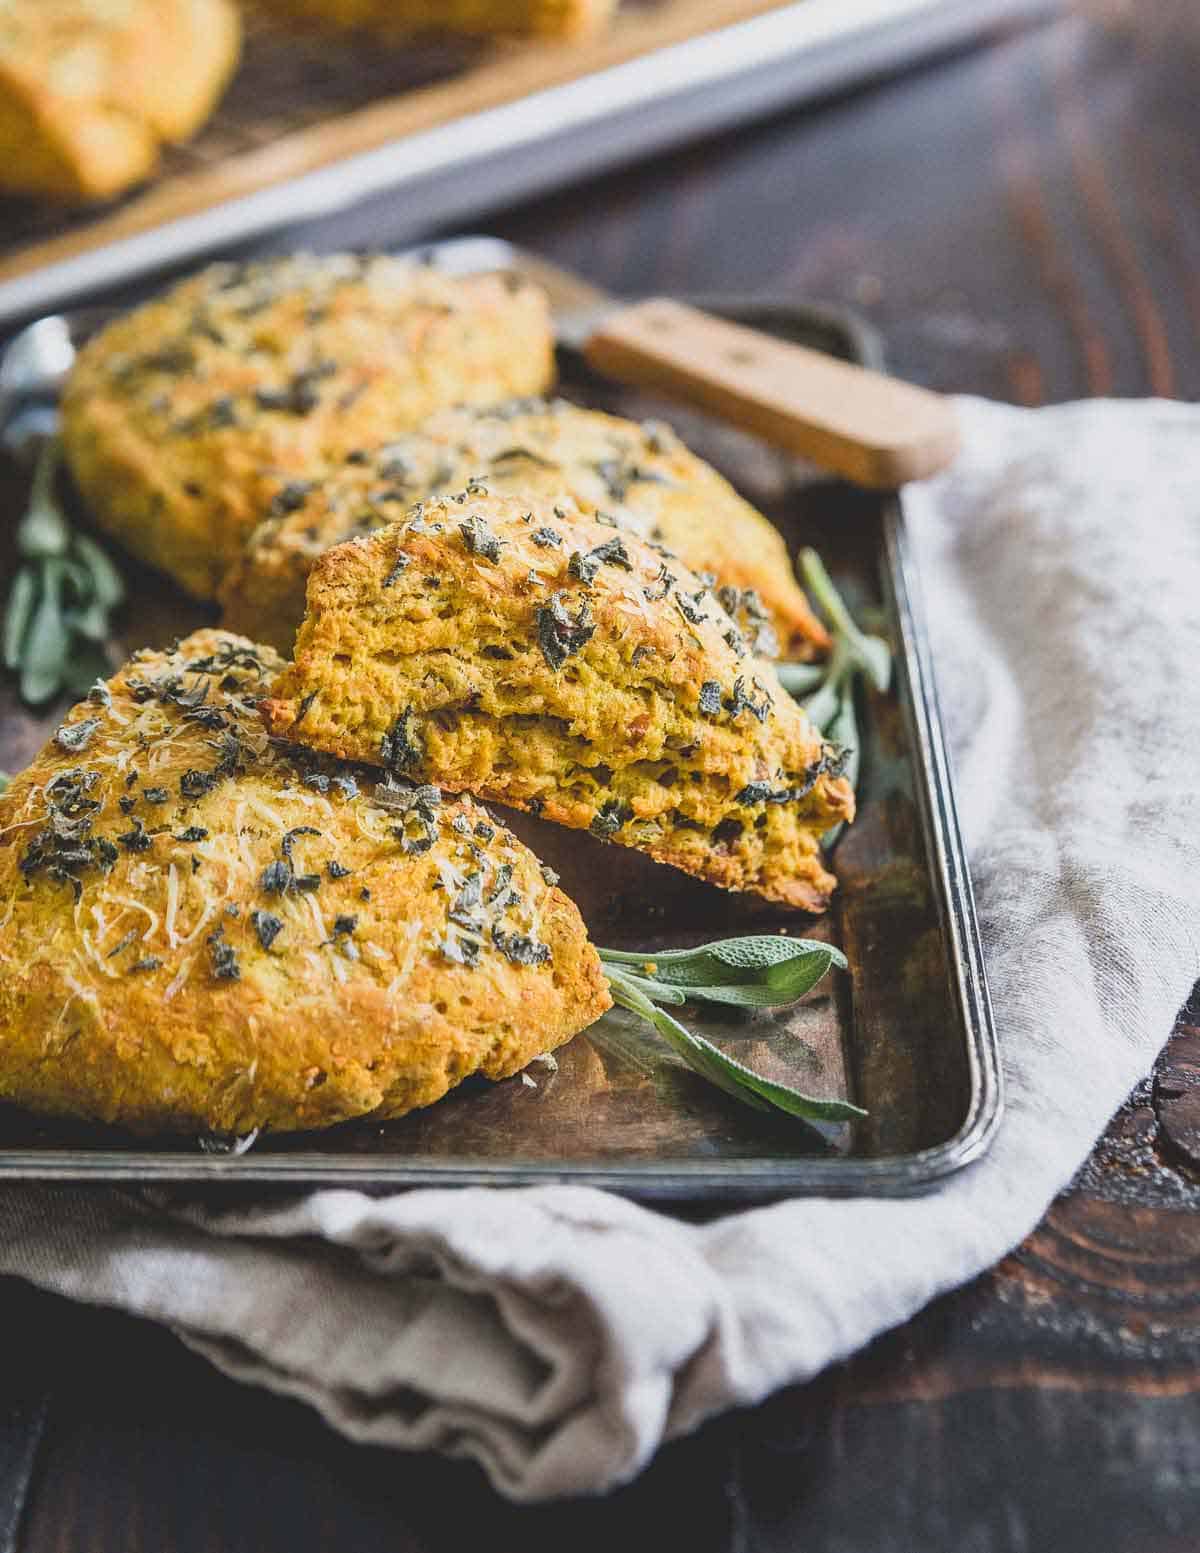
point(554, 663)
point(185, 419)
point(204, 931)
point(91, 90)
point(643, 476)
point(540, 18)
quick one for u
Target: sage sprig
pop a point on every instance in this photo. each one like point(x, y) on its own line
point(755, 972)
point(828, 691)
point(58, 612)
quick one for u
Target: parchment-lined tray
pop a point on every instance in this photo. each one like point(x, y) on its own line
point(908, 1034)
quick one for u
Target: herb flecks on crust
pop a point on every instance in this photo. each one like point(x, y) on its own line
point(229, 399)
point(205, 928)
point(637, 479)
point(592, 685)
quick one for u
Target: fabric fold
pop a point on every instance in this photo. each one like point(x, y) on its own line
point(557, 1335)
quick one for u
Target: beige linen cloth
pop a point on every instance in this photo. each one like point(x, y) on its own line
point(558, 1335)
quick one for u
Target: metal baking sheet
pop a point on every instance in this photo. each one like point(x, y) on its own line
point(521, 146)
point(907, 1034)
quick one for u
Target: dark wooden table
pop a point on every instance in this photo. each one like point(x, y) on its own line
point(1020, 222)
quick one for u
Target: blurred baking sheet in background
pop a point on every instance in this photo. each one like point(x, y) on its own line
point(315, 123)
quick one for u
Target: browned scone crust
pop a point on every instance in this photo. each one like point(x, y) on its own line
point(543, 18)
point(183, 420)
point(90, 92)
point(202, 931)
point(559, 665)
point(642, 476)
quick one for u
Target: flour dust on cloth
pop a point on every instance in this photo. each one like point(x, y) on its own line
point(558, 1335)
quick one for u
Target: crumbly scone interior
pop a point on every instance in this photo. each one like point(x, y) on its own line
point(544, 660)
point(640, 476)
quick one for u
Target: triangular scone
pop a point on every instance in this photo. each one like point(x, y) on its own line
point(202, 930)
point(641, 476)
point(561, 666)
point(183, 420)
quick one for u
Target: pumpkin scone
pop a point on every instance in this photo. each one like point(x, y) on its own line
point(91, 90)
point(185, 419)
point(201, 930)
point(641, 476)
point(554, 663)
point(543, 18)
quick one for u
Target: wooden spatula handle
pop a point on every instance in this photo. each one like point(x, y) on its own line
point(872, 429)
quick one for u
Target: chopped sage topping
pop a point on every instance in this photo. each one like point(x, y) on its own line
point(666, 580)
point(740, 701)
point(267, 926)
point(611, 553)
point(75, 737)
point(223, 957)
point(275, 878)
point(611, 817)
point(558, 635)
point(479, 539)
point(291, 497)
point(510, 454)
point(135, 840)
point(398, 568)
point(519, 948)
point(194, 784)
point(398, 748)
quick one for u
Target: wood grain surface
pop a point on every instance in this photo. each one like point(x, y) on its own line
point(1019, 222)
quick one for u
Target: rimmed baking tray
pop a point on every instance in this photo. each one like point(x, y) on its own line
point(908, 1034)
point(318, 124)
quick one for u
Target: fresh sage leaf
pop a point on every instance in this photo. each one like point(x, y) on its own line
point(829, 694)
point(754, 972)
point(91, 622)
point(844, 731)
point(43, 531)
point(727, 1074)
point(48, 643)
point(755, 951)
point(823, 706)
point(57, 616)
point(871, 654)
point(108, 590)
point(18, 614)
point(88, 663)
point(656, 991)
point(798, 679)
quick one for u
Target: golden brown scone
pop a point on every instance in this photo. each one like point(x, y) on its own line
point(185, 418)
point(561, 666)
point(543, 18)
point(642, 476)
point(204, 931)
point(90, 90)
